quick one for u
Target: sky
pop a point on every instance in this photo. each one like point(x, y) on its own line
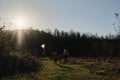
point(84, 16)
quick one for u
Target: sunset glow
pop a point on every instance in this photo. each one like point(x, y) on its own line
point(20, 23)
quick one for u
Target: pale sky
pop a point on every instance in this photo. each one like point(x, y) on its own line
point(94, 16)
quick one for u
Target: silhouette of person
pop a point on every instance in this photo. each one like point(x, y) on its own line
point(60, 55)
point(55, 57)
point(43, 53)
point(65, 55)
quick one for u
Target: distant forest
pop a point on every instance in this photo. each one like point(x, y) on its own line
point(80, 45)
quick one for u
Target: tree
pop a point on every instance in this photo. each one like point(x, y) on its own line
point(4, 44)
point(117, 25)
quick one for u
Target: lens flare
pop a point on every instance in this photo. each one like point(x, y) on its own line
point(20, 39)
point(43, 46)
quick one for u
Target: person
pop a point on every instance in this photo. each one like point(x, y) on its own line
point(65, 55)
point(43, 53)
point(60, 56)
point(55, 57)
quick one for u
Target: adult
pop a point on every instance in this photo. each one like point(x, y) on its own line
point(55, 57)
point(65, 55)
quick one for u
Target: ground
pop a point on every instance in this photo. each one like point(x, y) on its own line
point(60, 71)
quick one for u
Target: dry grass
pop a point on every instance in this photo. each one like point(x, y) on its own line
point(75, 69)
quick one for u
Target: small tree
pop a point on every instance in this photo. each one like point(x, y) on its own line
point(3, 41)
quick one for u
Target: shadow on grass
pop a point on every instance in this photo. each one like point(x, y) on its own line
point(63, 66)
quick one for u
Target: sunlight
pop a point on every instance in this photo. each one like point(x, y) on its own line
point(20, 38)
point(20, 23)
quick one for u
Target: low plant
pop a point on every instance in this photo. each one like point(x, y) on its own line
point(21, 63)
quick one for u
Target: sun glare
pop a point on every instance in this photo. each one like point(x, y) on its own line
point(20, 23)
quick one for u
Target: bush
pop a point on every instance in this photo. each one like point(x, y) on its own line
point(18, 63)
point(14, 62)
point(3, 41)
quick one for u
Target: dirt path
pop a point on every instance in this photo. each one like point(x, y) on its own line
point(62, 71)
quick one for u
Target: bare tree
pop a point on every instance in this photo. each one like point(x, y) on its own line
point(117, 24)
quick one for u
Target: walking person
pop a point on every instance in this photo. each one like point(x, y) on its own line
point(55, 57)
point(43, 53)
point(65, 55)
point(60, 56)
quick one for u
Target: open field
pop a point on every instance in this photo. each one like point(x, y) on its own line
point(75, 69)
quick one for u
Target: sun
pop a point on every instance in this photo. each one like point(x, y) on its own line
point(20, 23)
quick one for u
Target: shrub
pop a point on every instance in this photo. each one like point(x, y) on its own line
point(18, 63)
point(14, 62)
point(4, 44)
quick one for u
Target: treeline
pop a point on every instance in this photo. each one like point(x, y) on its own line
point(84, 45)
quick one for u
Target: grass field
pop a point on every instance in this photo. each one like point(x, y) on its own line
point(73, 70)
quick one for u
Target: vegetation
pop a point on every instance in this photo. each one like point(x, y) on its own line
point(14, 62)
point(75, 69)
point(18, 63)
point(86, 45)
point(20, 55)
